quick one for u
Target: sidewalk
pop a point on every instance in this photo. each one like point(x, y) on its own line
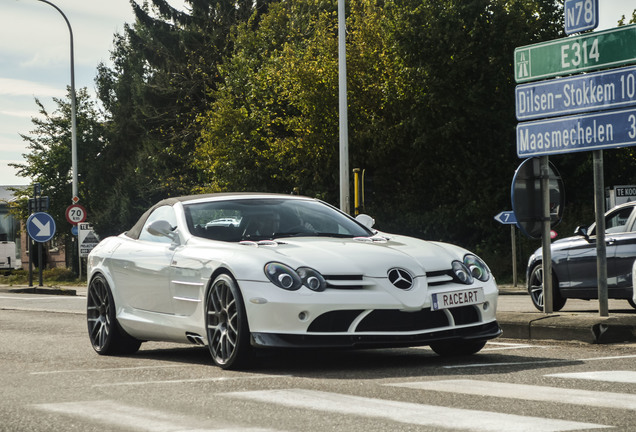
point(578, 321)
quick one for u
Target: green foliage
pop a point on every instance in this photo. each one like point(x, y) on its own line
point(48, 161)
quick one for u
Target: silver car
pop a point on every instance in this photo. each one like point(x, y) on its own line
point(574, 262)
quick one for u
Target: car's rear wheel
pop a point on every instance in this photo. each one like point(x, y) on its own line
point(105, 333)
point(535, 289)
point(226, 324)
point(457, 348)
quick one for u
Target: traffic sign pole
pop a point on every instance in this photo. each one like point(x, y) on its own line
point(545, 237)
point(601, 251)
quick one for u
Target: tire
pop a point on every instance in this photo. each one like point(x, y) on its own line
point(535, 289)
point(631, 303)
point(105, 333)
point(226, 324)
point(457, 347)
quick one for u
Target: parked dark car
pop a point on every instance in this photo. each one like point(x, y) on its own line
point(574, 262)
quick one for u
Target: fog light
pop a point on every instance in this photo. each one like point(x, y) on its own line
point(485, 306)
point(303, 316)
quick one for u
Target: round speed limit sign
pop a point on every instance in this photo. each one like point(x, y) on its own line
point(75, 214)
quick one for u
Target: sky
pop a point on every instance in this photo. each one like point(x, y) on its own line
point(35, 58)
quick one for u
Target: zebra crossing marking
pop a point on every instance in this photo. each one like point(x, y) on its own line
point(136, 418)
point(410, 413)
point(527, 392)
point(627, 377)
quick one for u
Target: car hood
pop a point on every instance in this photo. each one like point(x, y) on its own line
point(370, 257)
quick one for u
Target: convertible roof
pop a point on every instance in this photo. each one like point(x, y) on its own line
point(135, 231)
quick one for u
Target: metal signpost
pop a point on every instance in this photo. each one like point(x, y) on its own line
point(41, 228)
point(509, 218)
point(599, 109)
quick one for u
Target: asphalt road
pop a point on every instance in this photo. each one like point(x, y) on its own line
point(52, 380)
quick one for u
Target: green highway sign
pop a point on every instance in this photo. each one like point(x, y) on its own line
point(586, 52)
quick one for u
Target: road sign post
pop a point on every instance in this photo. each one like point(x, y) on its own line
point(41, 228)
point(509, 218)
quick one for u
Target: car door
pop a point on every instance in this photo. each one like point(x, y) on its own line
point(581, 265)
point(142, 267)
point(620, 239)
point(620, 245)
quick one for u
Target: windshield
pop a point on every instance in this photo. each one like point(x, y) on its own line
point(269, 218)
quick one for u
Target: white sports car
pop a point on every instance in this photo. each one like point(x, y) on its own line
point(237, 272)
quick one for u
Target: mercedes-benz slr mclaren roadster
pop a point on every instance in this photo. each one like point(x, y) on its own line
point(241, 272)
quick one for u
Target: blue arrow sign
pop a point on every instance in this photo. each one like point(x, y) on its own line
point(597, 131)
point(41, 227)
point(506, 218)
point(614, 88)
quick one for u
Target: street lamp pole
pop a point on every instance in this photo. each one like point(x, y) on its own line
point(75, 198)
point(344, 133)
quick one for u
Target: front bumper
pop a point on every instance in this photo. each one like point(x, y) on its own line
point(487, 331)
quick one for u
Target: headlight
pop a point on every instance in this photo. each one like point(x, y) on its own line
point(462, 273)
point(289, 279)
point(478, 269)
point(312, 279)
point(283, 276)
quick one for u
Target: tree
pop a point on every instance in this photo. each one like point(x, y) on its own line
point(165, 68)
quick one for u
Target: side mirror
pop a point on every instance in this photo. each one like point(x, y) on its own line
point(581, 231)
point(366, 220)
point(162, 228)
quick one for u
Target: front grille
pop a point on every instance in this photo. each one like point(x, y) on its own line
point(440, 277)
point(398, 321)
point(345, 282)
point(383, 320)
point(465, 315)
point(334, 321)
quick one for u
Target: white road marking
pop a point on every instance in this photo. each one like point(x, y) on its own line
point(134, 417)
point(628, 377)
point(500, 346)
point(527, 392)
point(411, 413)
point(75, 371)
point(186, 381)
point(476, 365)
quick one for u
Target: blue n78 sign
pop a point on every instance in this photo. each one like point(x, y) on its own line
point(580, 15)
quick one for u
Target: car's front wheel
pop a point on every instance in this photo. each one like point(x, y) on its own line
point(535, 289)
point(226, 324)
point(105, 333)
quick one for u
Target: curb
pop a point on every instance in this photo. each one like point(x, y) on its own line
point(589, 329)
point(44, 290)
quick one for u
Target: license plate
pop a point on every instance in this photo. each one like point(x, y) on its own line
point(451, 299)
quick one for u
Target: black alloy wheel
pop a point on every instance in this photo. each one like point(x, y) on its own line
point(535, 289)
point(106, 336)
point(226, 324)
